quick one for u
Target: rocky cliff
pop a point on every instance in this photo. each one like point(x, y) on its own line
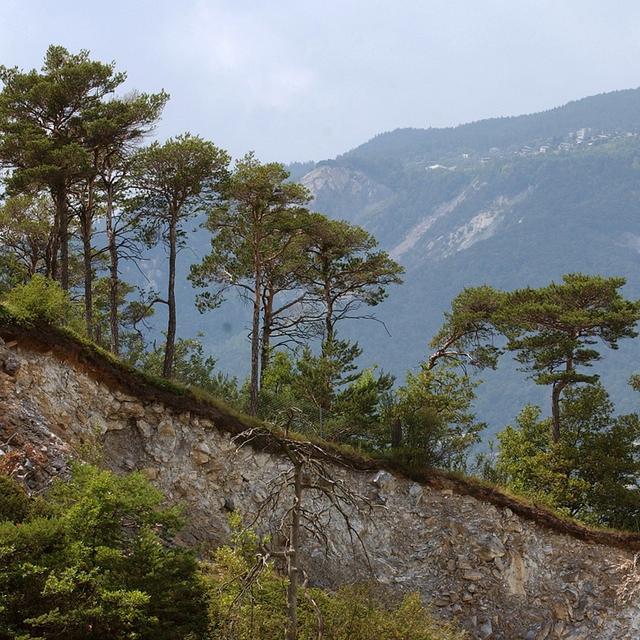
point(504, 569)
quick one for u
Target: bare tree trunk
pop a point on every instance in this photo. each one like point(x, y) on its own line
point(169, 349)
point(293, 572)
point(114, 326)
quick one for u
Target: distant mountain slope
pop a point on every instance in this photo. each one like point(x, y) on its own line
point(508, 202)
point(615, 111)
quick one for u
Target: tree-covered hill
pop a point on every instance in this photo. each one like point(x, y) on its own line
point(607, 112)
point(508, 202)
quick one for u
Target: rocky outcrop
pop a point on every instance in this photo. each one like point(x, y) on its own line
point(343, 191)
point(502, 576)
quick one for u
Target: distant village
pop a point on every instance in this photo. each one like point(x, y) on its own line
point(585, 137)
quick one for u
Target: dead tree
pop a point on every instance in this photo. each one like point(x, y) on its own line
point(304, 499)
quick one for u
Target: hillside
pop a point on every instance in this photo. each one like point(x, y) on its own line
point(508, 202)
point(474, 553)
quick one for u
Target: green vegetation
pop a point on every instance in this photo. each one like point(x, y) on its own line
point(433, 414)
point(194, 369)
point(96, 560)
point(72, 149)
point(248, 602)
point(553, 330)
point(93, 560)
point(590, 473)
point(173, 182)
point(39, 300)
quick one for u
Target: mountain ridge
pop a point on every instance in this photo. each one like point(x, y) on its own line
point(610, 108)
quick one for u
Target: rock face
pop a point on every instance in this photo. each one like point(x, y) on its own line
point(501, 576)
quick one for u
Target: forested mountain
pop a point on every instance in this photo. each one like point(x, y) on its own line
point(508, 202)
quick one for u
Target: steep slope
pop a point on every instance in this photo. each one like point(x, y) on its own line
point(607, 112)
point(504, 569)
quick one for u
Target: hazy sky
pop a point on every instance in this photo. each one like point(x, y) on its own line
point(309, 79)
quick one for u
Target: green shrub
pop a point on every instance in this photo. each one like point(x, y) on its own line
point(14, 502)
point(97, 561)
point(40, 299)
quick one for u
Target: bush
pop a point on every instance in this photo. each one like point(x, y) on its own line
point(590, 473)
point(14, 502)
point(40, 299)
point(96, 561)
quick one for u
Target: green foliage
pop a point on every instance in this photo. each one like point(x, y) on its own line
point(468, 332)
point(552, 329)
point(133, 311)
point(590, 473)
point(25, 229)
point(194, 369)
point(325, 395)
point(253, 226)
point(435, 415)
point(177, 179)
point(41, 115)
point(346, 270)
point(255, 249)
point(360, 613)
point(14, 501)
point(12, 273)
point(248, 602)
point(93, 562)
point(39, 300)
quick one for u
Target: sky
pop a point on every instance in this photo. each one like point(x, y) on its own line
point(308, 79)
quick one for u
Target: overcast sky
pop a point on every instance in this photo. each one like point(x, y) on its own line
point(309, 79)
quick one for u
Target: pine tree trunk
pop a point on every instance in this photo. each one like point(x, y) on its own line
point(328, 301)
point(557, 389)
point(63, 220)
point(53, 245)
point(267, 322)
point(88, 272)
point(555, 412)
point(114, 327)
point(51, 251)
point(556, 393)
point(169, 349)
point(255, 347)
point(396, 433)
